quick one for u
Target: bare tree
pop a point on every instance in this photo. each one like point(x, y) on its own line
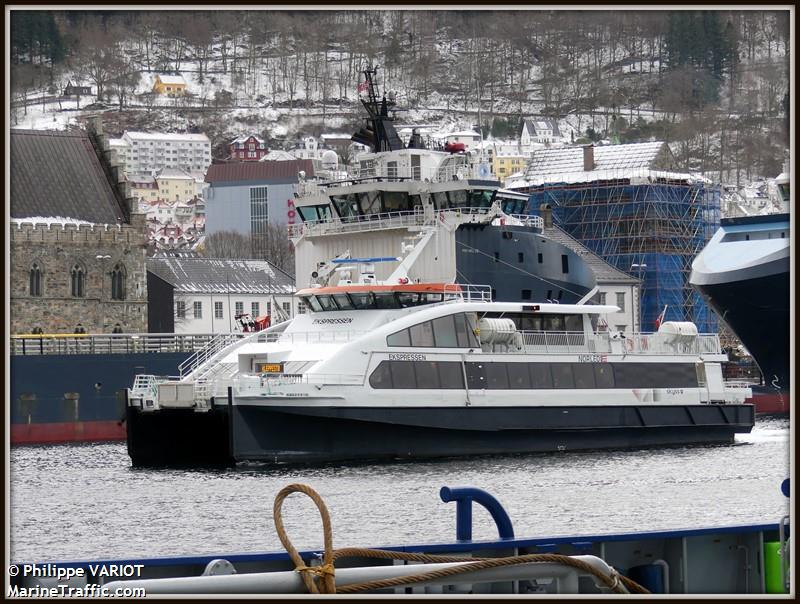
point(228, 244)
point(98, 58)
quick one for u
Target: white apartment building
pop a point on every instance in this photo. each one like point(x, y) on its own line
point(152, 151)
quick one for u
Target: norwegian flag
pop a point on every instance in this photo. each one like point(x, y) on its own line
point(660, 318)
point(362, 87)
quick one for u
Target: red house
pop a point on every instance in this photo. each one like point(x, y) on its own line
point(248, 148)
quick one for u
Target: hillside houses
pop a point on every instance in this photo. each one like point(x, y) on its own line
point(169, 85)
point(247, 147)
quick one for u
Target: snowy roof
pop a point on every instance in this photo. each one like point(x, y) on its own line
point(174, 174)
point(59, 173)
point(463, 133)
point(278, 155)
point(245, 137)
point(140, 178)
point(606, 157)
point(171, 79)
point(211, 275)
point(118, 142)
point(537, 124)
point(166, 136)
point(50, 220)
point(643, 174)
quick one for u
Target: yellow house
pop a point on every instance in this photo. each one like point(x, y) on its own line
point(175, 185)
point(506, 165)
point(170, 85)
point(143, 187)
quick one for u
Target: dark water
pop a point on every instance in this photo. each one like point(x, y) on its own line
point(85, 501)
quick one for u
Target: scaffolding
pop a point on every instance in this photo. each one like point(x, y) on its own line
point(651, 229)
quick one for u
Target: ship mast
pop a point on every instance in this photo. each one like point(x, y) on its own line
point(379, 132)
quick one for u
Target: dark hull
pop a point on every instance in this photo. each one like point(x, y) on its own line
point(179, 438)
point(318, 435)
point(509, 274)
point(60, 398)
point(757, 310)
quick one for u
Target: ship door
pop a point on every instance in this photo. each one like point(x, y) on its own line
point(475, 373)
point(416, 169)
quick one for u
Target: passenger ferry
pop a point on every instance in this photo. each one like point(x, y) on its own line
point(403, 370)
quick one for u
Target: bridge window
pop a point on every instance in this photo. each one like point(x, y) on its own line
point(451, 331)
point(432, 375)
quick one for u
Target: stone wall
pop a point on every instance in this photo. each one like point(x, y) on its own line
point(56, 249)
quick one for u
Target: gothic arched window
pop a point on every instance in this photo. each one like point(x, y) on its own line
point(118, 283)
point(36, 280)
point(78, 281)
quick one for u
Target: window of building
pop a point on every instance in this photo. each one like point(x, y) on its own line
point(35, 280)
point(198, 310)
point(251, 154)
point(180, 309)
point(602, 298)
point(287, 308)
point(77, 281)
point(118, 282)
point(621, 300)
point(239, 308)
point(218, 310)
point(301, 308)
point(259, 219)
point(254, 309)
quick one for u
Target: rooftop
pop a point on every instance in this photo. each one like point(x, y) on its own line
point(55, 173)
point(166, 136)
point(171, 79)
point(259, 170)
point(213, 275)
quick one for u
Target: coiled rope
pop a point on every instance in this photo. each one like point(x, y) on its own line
point(322, 579)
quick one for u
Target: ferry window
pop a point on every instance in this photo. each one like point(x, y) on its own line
point(382, 376)
point(407, 299)
point(540, 375)
point(553, 323)
point(395, 201)
point(562, 375)
point(520, 257)
point(444, 332)
point(451, 376)
point(385, 300)
point(462, 335)
point(584, 375)
point(496, 376)
point(370, 202)
point(573, 322)
point(422, 334)
point(432, 298)
point(362, 300)
point(416, 201)
point(518, 377)
point(476, 376)
point(539, 258)
point(526, 294)
point(343, 302)
point(313, 303)
point(326, 303)
point(400, 338)
point(308, 213)
point(604, 375)
point(403, 374)
point(427, 374)
point(564, 263)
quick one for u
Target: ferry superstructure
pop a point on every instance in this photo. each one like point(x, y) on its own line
point(376, 371)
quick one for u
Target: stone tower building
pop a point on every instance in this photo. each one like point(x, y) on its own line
point(77, 251)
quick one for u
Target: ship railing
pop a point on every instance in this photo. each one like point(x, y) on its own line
point(659, 343)
point(144, 385)
point(360, 223)
point(31, 344)
point(218, 343)
point(245, 384)
point(531, 221)
point(312, 337)
point(563, 342)
point(468, 292)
